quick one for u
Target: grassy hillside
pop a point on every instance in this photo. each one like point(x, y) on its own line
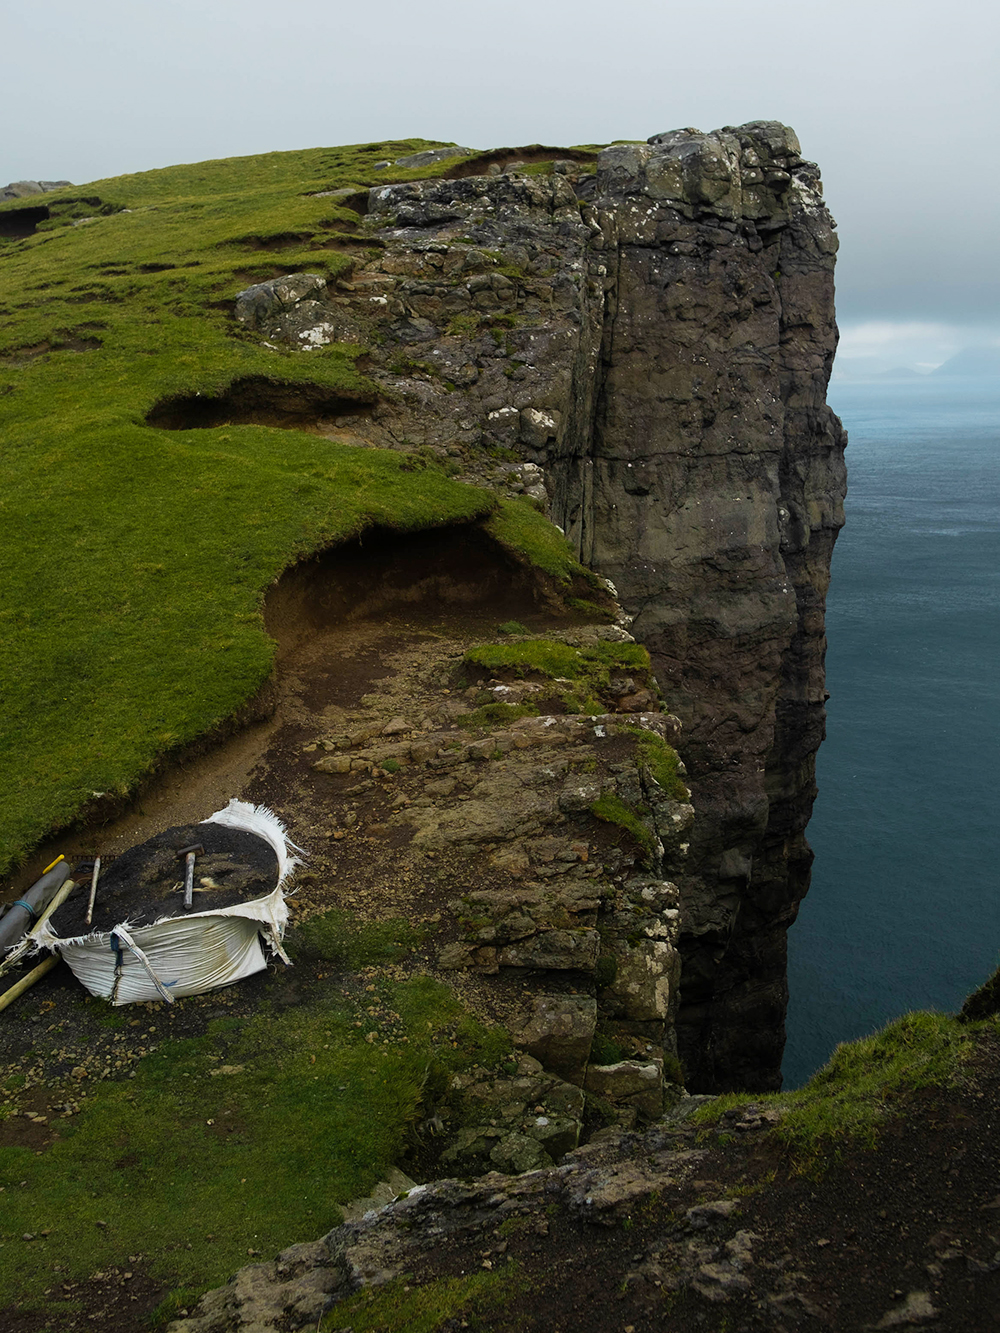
point(134, 559)
point(236, 1134)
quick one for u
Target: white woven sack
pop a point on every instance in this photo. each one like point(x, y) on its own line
point(187, 957)
point(193, 953)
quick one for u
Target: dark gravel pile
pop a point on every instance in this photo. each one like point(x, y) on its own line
point(147, 882)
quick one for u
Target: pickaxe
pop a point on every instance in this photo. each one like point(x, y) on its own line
point(189, 854)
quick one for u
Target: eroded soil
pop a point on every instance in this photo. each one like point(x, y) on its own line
point(912, 1227)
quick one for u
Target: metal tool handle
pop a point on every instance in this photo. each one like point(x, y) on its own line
point(93, 890)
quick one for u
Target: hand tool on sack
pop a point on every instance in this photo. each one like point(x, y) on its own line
point(95, 870)
point(188, 855)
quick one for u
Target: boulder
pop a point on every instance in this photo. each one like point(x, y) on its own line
point(561, 950)
point(294, 309)
point(24, 189)
point(558, 1031)
point(518, 1153)
point(645, 976)
point(629, 1083)
point(430, 156)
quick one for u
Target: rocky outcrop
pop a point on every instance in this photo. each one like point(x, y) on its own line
point(24, 189)
point(551, 841)
point(644, 350)
point(600, 1186)
point(730, 1223)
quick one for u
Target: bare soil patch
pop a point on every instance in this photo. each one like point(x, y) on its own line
point(254, 401)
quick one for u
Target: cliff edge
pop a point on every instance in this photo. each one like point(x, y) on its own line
point(644, 349)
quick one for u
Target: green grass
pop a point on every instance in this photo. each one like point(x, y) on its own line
point(335, 936)
point(611, 809)
point(518, 526)
point(236, 1143)
point(849, 1099)
point(496, 715)
point(663, 762)
point(549, 657)
point(588, 670)
point(135, 560)
point(605, 1050)
point(399, 1308)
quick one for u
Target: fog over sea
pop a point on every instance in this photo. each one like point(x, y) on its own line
point(904, 909)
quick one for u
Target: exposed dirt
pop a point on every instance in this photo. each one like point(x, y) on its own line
point(20, 222)
point(282, 241)
point(68, 340)
point(256, 401)
point(336, 619)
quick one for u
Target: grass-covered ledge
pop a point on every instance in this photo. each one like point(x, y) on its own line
point(229, 1136)
point(135, 559)
point(133, 572)
point(849, 1101)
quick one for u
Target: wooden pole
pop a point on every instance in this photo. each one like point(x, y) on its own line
point(93, 890)
point(36, 974)
point(22, 946)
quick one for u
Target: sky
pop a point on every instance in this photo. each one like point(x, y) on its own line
point(896, 100)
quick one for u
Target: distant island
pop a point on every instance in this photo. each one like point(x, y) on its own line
point(972, 361)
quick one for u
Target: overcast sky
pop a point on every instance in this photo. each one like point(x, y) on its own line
point(896, 99)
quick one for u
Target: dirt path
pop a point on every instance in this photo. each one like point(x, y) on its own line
point(337, 622)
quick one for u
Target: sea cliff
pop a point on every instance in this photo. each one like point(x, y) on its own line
point(474, 511)
point(645, 350)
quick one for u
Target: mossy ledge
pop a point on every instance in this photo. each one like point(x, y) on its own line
point(149, 503)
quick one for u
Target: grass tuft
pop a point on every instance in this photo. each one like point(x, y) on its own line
point(582, 675)
point(549, 657)
point(611, 809)
point(397, 1307)
point(519, 527)
point(847, 1102)
point(496, 715)
point(663, 762)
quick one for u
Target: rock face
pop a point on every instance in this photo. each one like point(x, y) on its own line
point(550, 841)
point(645, 352)
point(710, 492)
point(23, 189)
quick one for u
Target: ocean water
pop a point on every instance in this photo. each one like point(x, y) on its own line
point(904, 909)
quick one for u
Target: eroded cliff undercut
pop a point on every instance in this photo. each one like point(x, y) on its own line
point(643, 351)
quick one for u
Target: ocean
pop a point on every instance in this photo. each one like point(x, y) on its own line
point(904, 909)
